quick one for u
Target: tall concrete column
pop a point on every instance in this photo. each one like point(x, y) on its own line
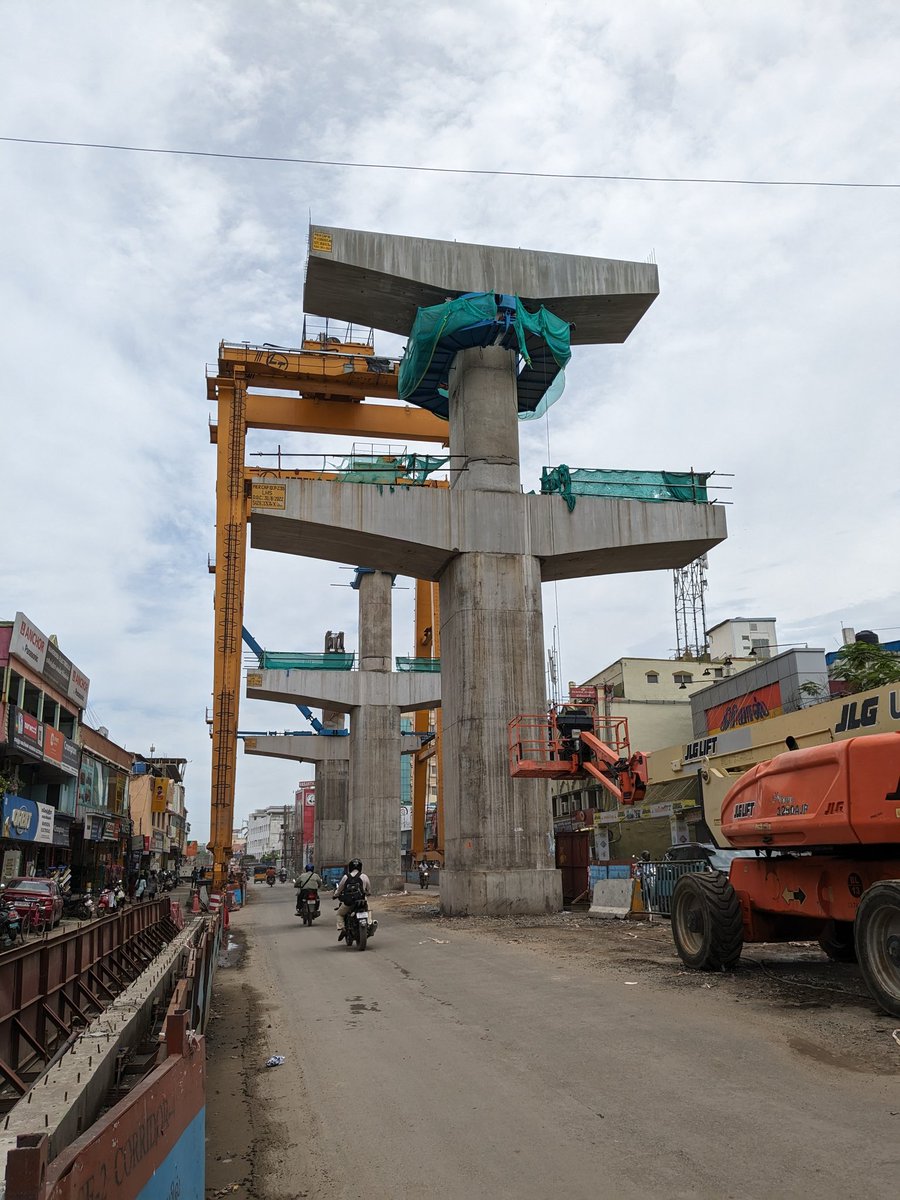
point(332, 802)
point(374, 744)
point(498, 852)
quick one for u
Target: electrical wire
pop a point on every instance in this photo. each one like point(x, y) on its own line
point(492, 171)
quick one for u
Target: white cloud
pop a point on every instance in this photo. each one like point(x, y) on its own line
point(768, 353)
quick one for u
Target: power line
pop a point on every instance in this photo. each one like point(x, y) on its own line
point(382, 166)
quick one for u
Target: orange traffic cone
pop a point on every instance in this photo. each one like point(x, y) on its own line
point(195, 902)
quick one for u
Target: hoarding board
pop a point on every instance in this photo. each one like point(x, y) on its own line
point(26, 820)
point(758, 705)
point(28, 644)
point(26, 732)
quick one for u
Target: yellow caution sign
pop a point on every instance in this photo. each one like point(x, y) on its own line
point(321, 241)
point(268, 495)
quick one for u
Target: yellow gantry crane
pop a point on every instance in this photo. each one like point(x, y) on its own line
point(334, 380)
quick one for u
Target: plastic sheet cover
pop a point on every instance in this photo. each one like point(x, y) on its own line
point(686, 486)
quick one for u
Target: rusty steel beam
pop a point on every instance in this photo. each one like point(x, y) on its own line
point(40, 984)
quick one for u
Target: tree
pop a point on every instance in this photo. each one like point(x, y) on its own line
point(863, 666)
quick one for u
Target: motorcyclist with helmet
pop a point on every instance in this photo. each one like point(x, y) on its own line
point(308, 880)
point(353, 872)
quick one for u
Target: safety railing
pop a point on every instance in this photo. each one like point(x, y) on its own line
point(543, 745)
point(419, 664)
point(658, 880)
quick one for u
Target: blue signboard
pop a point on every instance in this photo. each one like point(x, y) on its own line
point(25, 820)
point(182, 1172)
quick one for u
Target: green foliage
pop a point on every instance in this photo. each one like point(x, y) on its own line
point(863, 666)
point(9, 781)
point(270, 856)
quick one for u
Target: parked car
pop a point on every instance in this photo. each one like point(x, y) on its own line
point(716, 858)
point(32, 893)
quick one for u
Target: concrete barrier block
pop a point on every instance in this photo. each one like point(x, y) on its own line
point(611, 899)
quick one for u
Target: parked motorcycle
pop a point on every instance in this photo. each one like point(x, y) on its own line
point(79, 907)
point(423, 877)
point(359, 925)
point(10, 926)
point(308, 907)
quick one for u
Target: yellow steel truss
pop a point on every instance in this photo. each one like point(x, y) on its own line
point(333, 381)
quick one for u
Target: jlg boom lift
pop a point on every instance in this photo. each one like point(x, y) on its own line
point(824, 822)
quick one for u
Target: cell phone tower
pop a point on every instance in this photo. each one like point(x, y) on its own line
point(690, 608)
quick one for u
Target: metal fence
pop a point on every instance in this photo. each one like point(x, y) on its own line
point(658, 881)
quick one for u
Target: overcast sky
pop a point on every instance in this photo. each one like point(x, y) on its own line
point(770, 353)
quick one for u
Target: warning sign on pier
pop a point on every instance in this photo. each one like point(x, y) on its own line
point(267, 495)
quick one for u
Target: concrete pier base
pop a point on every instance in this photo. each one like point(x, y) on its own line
point(500, 893)
point(374, 834)
point(332, 837)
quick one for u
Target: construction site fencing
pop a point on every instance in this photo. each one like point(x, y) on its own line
point(50, 989)
point(658, 881)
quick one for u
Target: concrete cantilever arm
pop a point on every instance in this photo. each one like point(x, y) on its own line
point(342, 691)
point(312, 749)
point(602, 536)
point(417, 531)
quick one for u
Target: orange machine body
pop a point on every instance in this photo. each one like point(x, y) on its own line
point(842, 794)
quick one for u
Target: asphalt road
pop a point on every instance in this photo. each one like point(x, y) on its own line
point(456, 1063)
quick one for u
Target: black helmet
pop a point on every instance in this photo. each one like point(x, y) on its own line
point(355, 864)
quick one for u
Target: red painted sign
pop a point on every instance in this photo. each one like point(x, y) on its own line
point(753, 706)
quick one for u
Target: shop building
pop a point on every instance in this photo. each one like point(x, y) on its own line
point(158, 814)
point(42, 699)
point(102, 830)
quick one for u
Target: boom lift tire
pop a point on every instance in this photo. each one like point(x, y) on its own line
point(836, 939)
point(878, 943)
point(706, 921)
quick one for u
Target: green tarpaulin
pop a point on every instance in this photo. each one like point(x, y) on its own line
point(689, 486)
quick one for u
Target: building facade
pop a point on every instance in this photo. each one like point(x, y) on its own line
point(268, 833)
point(159, 814)
point(742, 637)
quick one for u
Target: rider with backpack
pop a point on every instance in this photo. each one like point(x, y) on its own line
point(353, 888)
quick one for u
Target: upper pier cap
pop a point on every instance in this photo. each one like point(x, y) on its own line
point(380, 279)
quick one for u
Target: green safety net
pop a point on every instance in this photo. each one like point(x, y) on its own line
point(442, 330)
point(419, 664)
point(298, 661)
point(689, 486)
point(390, 469)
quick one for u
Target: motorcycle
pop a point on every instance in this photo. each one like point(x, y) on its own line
point(79, 907)
point(282, 875)
point(359, 925)
point(423, 877)
point(308, 908)
point(10, 926)
point(270, 880)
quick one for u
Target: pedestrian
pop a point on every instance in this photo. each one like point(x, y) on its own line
point(195, 877)
point(141, 890)
point(152, 886)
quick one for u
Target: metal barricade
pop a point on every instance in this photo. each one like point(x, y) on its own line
point(658, 881)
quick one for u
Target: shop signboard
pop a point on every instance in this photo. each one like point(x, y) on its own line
point(71, 757)
point(140, 843)
point(12, 865)
point(61, 830)
point(758, 705)
point(586, 694)
point(26, 820)
point(28, 644)
point(79, 686)
point(160, 793)
point(26, 732)
point(53, 745)
point(57, 669)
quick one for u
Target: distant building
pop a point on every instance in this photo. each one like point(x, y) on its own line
point(743, 637)
point(158, 812)
point(269, 831)
point(655, 695)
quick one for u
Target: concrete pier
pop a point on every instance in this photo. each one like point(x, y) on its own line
point(489, 545)
point(367, 824)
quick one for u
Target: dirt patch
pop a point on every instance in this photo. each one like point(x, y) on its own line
point(249, 1154)
point(820, 1009)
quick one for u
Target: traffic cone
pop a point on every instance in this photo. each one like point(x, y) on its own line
point(195, 902)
